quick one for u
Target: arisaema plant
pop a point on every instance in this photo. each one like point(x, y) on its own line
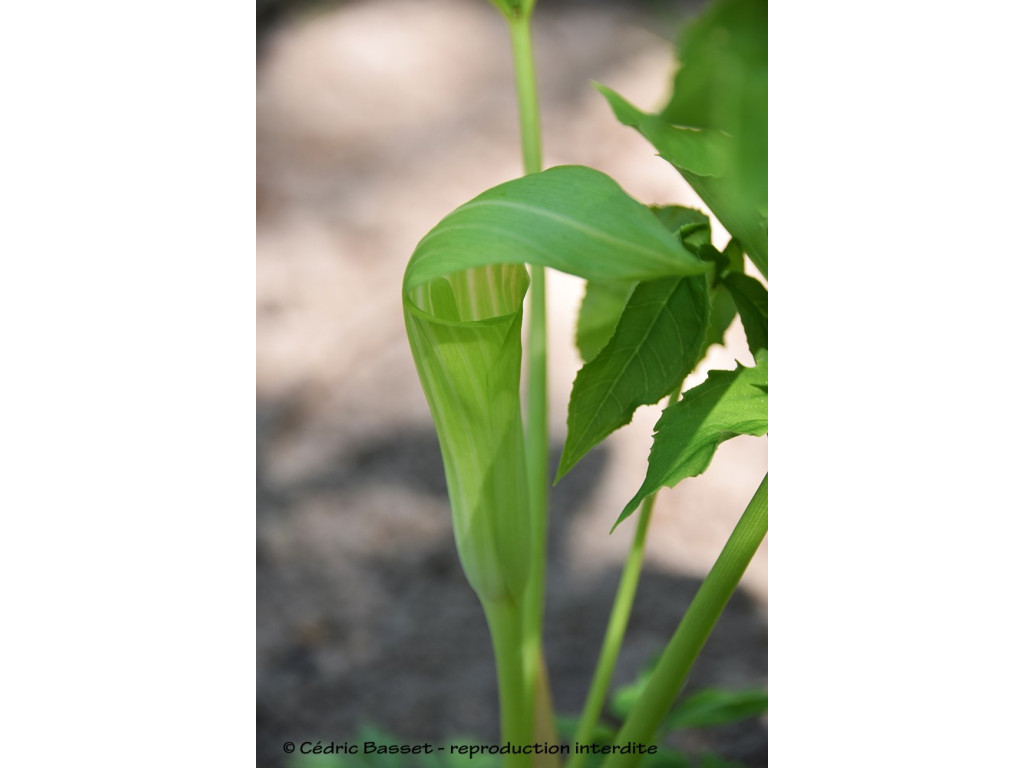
point(659, 293)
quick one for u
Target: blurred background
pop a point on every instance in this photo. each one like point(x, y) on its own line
point(374, 119)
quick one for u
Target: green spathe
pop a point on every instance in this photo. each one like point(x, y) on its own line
point(463, 299)
point(465, 336)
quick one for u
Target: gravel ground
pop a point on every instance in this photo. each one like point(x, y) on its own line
point(375, 119)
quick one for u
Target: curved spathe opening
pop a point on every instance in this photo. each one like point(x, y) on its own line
point(472, 295)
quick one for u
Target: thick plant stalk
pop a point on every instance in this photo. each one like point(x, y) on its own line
point(504, 620)
point(693, 631)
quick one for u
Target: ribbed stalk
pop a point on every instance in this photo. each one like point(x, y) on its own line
point(693, 631)
point(504, 619)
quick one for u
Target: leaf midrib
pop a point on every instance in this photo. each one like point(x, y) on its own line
point(633, 355)
point(571, 222)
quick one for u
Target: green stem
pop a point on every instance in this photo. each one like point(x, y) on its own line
point(526, 92)
point(613, 635)
point(537, 473)
point(617, 621)
point(694, 629)
point(536, 387)
point(505, 624)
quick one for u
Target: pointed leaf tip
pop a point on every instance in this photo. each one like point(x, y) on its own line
point(727, 404)
point(656, 342)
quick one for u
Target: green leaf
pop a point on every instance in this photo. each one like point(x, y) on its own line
point(751, 298)
point(657, 342)
point(746, 224)
point(728, 404)
point(573, 219)
point(722, 84)
point(463, 300)
point(723, 311)
point(703, 152)
point(625, 697)
point(604, 301)
point(733, 253)
point(714, 129)
point(600, 311)
point(379, 736)
point(715, 706)
point(629, 324)
point(692, 152)
point(691, 226)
